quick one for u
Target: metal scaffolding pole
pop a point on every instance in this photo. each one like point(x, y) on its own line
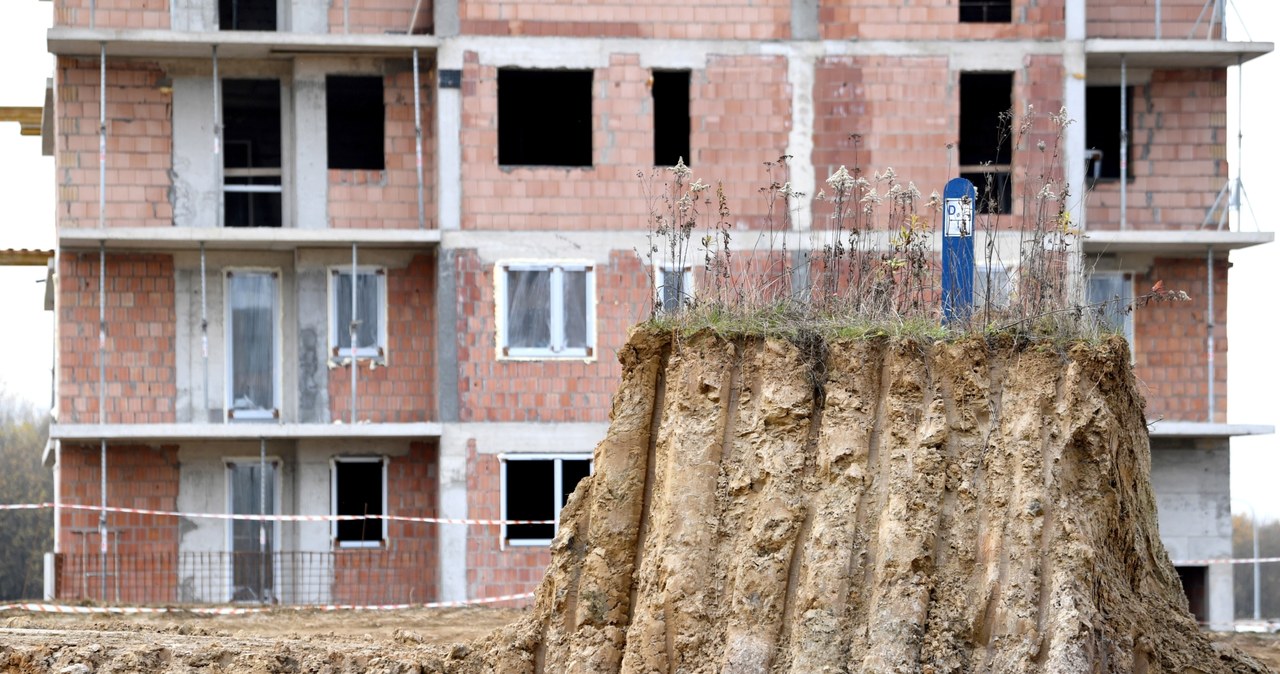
point(417, 127)
point(204, 329)
point(1124, 144)
point(217, 135)
point(355, 365)
point(1209, 321)
point(262, 523)
point(102, 410)
point(102, 135)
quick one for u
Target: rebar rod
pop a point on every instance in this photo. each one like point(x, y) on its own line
point(204, 332)
point(352, 329)
point(1124, 144)
point(1209, 321)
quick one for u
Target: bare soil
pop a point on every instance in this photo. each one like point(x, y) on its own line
point(758, 506)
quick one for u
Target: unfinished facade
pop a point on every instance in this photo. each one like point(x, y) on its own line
point(377, 256)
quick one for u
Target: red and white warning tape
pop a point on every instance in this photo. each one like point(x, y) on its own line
point(243, 610)
point(1224, 560)
point(273, 518)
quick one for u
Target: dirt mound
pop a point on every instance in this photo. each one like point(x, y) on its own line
point(877, 506)
point(868, 506)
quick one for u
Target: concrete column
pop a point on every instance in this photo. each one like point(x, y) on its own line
point(193, 15)
point(313, 340)
point(310, 179)
point(308, 16)
point(1075, 73)
point(1222, 605)
point(446, 336)
point(449, 143)
point(196, 192)
point(801, 73)
point(453, 504)
point(804, 20)
point(445, 21)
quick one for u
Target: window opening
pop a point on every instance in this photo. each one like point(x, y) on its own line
point(986, 143)
point(675, 287)
point(671, 124)
point(1102, 131)
point(246, 14)
point(253, 362)
point(251, 157)
point(544, 117)
point(252, 541)
point(1195, 586)
point(355, 113)
point(986, 11)
point(1110, 295)
point(549, 310)
point(371, 303)
point(537, 487)
point(359, 488)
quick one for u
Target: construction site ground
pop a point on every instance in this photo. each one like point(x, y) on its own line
point(197, 638)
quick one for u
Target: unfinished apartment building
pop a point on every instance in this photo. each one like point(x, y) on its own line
point(238, 180)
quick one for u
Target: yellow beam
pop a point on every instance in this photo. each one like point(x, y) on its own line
point(25, 258)
point(28, 117)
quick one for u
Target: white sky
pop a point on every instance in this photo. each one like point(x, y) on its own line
point(26, 221)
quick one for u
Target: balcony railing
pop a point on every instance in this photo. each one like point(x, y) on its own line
point(358, 577)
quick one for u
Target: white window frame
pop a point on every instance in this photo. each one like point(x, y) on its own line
point(277, 501)
point(556, 489)
point(376, 352)
point(333, 500)
point(556, 350)
point(660, 271)
point(980, 271)
point(277, 365)
point(1130, 278)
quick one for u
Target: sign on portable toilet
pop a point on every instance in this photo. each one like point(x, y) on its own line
point(958, 199)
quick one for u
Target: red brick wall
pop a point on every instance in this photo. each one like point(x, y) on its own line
point(141, 381)
point(740, 109)
point(1178, 158)
point(406, 571)
point(138, 476)
point(403, 389)
point(112, 13)
point(935, 19)
point(906, 110)
point(1171, 341)
point(546, 390)
point(492, 571)
point(139, 145)
point(378, 16)
point(1137, 19)
point(697, 19)
point(388, 199)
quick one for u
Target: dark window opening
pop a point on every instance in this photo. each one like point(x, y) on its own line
point(995, 190)
point(1193, 584)
point(355, 115)
point(544, 117)
point(986, 11)
point(671, 117)
point(358, 491)
point(251, 153)
point(530, 492)
point(986, 139)
point(1102, 131)
point(529, 497)
point(246, 14)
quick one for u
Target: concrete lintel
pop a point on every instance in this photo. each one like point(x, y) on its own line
point(569, 52)
point(532, 438)
point(65, 41)
point(1171, 242)
point(262, 238)
point(1172, 54)
point(1204, 429)
point(247, 431)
